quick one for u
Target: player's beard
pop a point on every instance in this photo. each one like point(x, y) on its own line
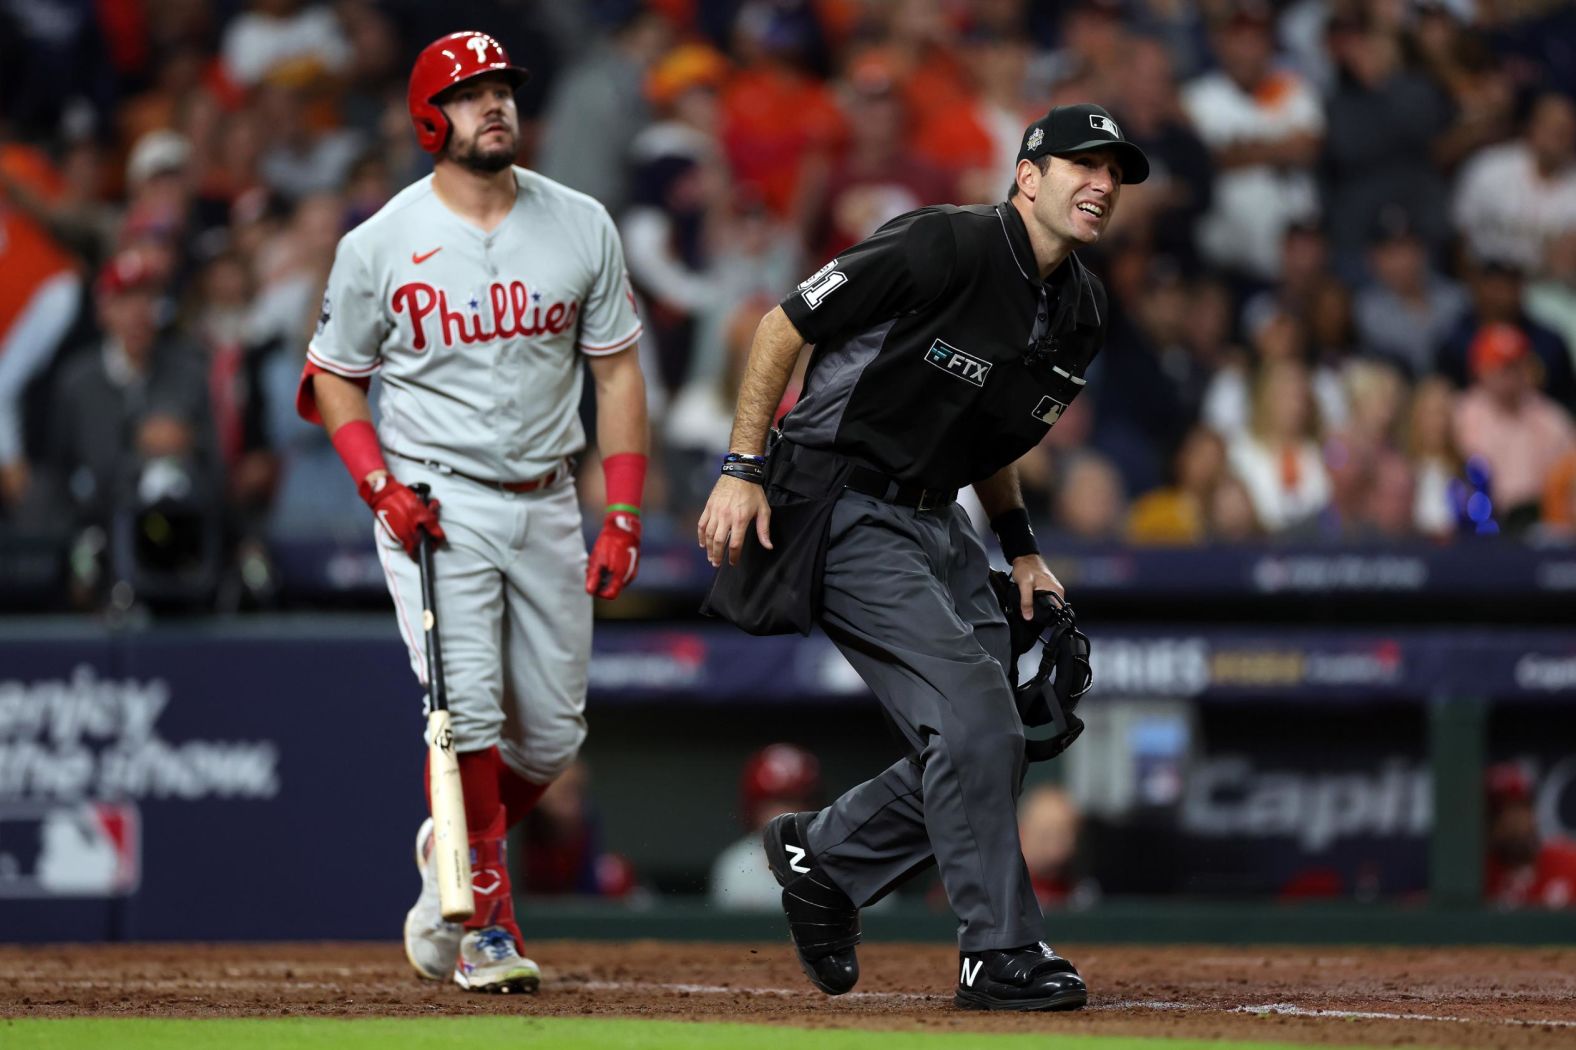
point(483, 161)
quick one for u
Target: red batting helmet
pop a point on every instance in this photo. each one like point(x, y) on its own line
point(780, 771)
point(447, 61)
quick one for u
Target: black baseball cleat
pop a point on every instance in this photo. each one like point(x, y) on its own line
point(1030, 978)
point(822, 920)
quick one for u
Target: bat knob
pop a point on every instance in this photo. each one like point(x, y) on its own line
point(422, 490)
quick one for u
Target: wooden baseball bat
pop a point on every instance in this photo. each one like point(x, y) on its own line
point(451, 848)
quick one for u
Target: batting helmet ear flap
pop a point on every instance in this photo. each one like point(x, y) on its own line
point(444, 63)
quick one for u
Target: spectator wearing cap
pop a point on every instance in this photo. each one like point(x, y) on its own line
point(1503, 419)
point(1406, 308)
point(1497, 287)
point(1264, 126)
point(1512, 198)
point(600, 103)
point(158, 186)
point(1523, 868)
point(39, 298)
point(780, 778)
point(679, 196)
point(133, 396)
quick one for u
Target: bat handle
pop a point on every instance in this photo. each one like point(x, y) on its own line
point(429, 610)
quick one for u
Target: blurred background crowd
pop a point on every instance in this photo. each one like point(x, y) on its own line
point(1344, 303)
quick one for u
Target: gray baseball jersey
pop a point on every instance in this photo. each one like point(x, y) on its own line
point(477, 335)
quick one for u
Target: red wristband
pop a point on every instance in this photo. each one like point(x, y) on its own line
point(357, 444)
point(624, 475)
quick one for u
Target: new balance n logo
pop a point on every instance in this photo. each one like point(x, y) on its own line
point(967, 976)
point(796, 859)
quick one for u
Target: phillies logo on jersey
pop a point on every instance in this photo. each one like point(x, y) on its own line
point(516, 311)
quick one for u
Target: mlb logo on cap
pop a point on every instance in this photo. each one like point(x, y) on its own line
point(1085, 126)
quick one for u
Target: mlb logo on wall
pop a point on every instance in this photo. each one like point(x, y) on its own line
point(1105, 124)
point(84, 849)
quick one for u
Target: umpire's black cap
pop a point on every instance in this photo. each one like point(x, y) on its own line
point(1073, 129)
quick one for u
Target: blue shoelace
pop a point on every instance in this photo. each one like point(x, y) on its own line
point(496, 942)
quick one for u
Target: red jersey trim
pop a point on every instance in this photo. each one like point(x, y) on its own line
point(596, 350)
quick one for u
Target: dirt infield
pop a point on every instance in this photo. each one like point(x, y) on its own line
point(1477, 998)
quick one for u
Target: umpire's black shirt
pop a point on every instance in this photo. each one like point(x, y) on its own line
point(940, 357)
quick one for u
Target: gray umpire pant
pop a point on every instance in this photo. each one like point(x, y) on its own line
point(907, 601)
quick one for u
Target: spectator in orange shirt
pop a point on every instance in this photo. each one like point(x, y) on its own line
point(1503, 419)
point(975, 138)
point(776, 116)
point(39, 299)
point(1523, 869)
point(876, 179)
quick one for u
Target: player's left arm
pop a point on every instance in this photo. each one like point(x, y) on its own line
point(621, 436)
point(1002, 500)
point(609, 339)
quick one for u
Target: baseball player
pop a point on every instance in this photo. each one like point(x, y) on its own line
point(946, 345)
point(477, 292)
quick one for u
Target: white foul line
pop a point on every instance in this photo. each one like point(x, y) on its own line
point(1286, 1009)
point(1291, 1010)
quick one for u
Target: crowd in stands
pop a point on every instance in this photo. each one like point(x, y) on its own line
point(1344, 304)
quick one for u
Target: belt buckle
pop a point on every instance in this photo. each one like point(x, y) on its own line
point(924, 501)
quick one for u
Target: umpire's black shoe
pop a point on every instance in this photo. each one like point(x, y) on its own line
point(822, 920)
point(1028, 978)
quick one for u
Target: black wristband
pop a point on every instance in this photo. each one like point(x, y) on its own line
point(744, 472)
point(1012, 531)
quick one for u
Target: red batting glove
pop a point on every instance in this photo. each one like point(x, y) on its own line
point(402, 512)
point(615, 556)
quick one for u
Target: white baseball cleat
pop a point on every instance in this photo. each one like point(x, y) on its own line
point(489, 962)
point(431, 944)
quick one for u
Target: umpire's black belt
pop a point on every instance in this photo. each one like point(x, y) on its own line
point(873, 482)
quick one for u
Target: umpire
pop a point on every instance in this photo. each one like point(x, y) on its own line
point(946, 345)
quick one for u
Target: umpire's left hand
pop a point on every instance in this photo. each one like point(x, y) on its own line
point(733, 504)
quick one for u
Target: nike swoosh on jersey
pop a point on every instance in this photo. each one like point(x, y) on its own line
point(418, 259)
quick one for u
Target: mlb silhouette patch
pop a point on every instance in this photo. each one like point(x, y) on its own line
point(1105, 124)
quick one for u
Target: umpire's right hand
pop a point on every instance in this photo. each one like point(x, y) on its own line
point(733, 504)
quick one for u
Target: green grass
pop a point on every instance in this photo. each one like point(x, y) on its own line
point(535, 1034)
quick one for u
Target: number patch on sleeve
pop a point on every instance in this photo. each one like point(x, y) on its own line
point(823, 283)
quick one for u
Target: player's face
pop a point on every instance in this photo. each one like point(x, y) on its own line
point(1077, 195)
point(485, 125)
